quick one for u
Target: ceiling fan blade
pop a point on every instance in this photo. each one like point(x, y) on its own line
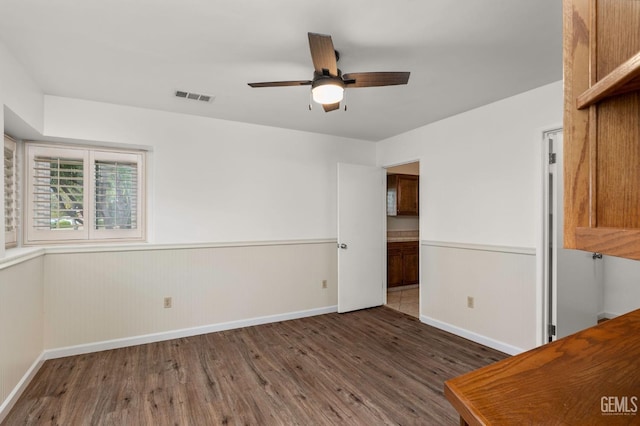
point(372, 79)
point(331, 107)
point(323, 54)
point(281, 83)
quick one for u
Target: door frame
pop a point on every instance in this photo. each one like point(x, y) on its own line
point(549, 265)
point(538, 139)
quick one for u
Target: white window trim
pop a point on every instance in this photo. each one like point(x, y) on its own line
point(88, 234)
point(11, 237)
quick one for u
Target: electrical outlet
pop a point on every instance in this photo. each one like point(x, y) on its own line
point(470, 302)
point(324, 283)
point(168, 301)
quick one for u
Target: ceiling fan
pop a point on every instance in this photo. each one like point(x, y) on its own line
point(328, 84)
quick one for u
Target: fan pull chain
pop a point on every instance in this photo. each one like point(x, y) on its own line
point(310, 100)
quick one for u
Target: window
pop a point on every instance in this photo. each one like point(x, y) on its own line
point(10, 194)
point(83, 194)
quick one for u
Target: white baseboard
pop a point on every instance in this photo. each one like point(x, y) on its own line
point(176, 334)
point(607, 315)
point(12, 398)
point(470, 335)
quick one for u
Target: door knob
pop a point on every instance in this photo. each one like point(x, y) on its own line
point(342, 246)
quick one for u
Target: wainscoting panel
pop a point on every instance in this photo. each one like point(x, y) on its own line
point(502, 283)
point(109, 295)
point(21, 327)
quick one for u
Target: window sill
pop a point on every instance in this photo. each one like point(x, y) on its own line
point(14, 256)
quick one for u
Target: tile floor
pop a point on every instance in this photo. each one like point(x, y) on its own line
point(404, 299)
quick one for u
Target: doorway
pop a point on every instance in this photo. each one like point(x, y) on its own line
point(403, 236)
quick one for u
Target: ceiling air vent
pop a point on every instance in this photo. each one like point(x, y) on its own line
point(194, 96)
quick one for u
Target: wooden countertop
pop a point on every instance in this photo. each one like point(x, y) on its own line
point(403, 236)
point(589, 378)
point(402, 240)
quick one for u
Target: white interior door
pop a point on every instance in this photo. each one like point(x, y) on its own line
point(575, 275)
point(361, 242)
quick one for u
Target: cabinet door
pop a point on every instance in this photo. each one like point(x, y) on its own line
point(602, 126)
point(410, 264)
point(407, 195)
point(394, 265)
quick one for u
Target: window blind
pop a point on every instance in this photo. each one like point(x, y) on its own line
point(58, 193)
point(116, 195)
point(10, 193)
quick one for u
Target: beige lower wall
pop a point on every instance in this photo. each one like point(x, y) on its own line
point(21, 322)
point(94, 297)
point(502, 283)
point(80, 297)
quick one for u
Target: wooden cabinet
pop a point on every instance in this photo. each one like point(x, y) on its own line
point(410, 263)
point(602, 126)
point(402, 195)
point(394, 265)
point(402, 263)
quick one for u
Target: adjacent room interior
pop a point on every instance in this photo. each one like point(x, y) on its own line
point(403, 236)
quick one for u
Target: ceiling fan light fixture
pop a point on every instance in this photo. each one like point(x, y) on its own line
point(328, 83)
point(327, 91)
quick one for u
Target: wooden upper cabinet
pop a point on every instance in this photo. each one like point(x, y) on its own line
point(602, 126)
point(402, 195)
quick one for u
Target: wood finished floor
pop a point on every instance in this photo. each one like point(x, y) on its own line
point(370, 367)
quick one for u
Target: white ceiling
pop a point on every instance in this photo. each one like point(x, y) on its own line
point(461, 54)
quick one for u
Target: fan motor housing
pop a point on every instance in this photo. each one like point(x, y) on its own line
point(322, 79)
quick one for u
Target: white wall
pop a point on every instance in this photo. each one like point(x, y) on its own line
point(21, 95)
point(479, 170)
point(18, 91)
point(621, 286)
point(481, 185)
point(215, 180)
